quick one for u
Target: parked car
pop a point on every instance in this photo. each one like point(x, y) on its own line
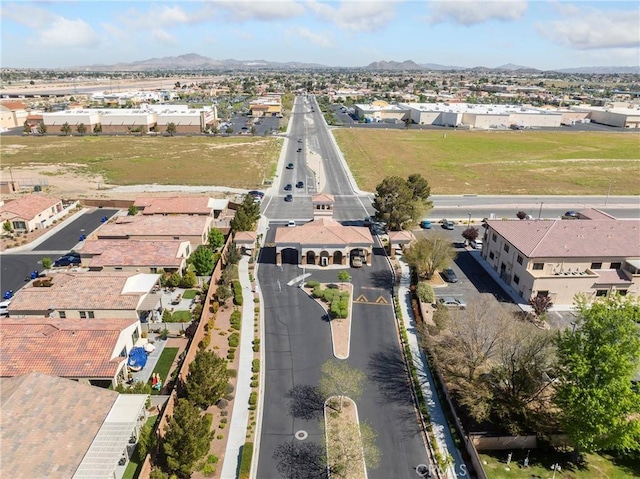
point(476, 244)
point(426, 224)
point(570, 215)
point(356, 262)
point(299, 150)
point(66, 261)
point(300, 184)
point(288, 198)
point(299, 140)
point(291, 224)
point(4, 308)
point(290, 166)
point(452, 303)
point(448, 225)
point(288, 187)
point(450, 275)
point(256, 194)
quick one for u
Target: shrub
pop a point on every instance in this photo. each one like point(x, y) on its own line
point(222, 403)
point(253, 398)
point(312, 284)
point(317, 291)
point(236, 320)
point(255, 366)
point(215, 306)
point(206, 341)
point(254, 384)
point(425, 292)
point(237, 293)
point(231, 356)
point(245, 461)
point(234, 340)
point(233, 373)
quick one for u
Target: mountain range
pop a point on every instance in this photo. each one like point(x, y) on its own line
point(194, 62)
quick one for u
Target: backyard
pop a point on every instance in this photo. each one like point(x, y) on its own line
point(496, 162)
point(164, 365)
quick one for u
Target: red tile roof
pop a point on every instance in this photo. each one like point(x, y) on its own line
point(611, 276)
point(324, 232)
point(72, 348)
point(132, 253)
point(29, 206)
point(198, 205)
point(245, 237)
point(156, 226)
point(14, 105)
point(572, 238)
point(48, 424)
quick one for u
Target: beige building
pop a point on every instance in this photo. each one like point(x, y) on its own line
point(181, 205)
point(31, 212)
point(323, 241)
point(561, 258)
point(381, 110)
point(141, 256)
point(269, 105)
point(12, 114)
point(627, 116)
point(87, 295)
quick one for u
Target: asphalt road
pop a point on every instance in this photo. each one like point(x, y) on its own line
point(16, 267)
point(297, 334)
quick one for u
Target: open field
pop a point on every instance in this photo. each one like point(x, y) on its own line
point(597, 466)
point(240, 162)
point(497, 162)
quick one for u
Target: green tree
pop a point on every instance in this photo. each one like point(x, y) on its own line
point(171, 128)
point(246, 215)
point(233, 254)
point(189, 279)
point(65, 128)
point(340, 379)
point(344, 276)
point(81, 129)
point(253, 130)
point(425, 292)
point(46, 263)
point(429, 254)
point(207, 379)
point(133, 210)
point(7, 226)
point(187, 438)
point(26, 127)
point(401, 203)
point(42, 128)
point(97, 128)
point(598, 361)
point(202, 260)
point(216, 238)
point(229, 130)
point(223, 293)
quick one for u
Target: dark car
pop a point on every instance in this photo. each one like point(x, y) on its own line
point(290, 166)
point(66, 261)
point(288, 198)
point(288, 187)
point(450, 276)
point(299, 150)
point(570, 215)
point(256, 194)
point(300, 184)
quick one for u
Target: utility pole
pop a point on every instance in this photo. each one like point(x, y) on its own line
point(608, 193)
point(469, 221)
point(540, 211)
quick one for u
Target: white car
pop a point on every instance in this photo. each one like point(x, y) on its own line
point(477, 244)
point(452, 303)
point(4, 308)
point(291, 224)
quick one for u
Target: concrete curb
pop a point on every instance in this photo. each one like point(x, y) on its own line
point(355, 408)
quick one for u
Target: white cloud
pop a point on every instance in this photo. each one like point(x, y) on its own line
point(320, 39)
point(162, 37)
point(471, 12)
point(30, 16)
point(244, 10)
point(589, 28)
point(158, 17)
point(357, 16)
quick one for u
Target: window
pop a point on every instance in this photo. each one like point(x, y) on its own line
point(622, 292)
point(543, 294)
point(601, 292)
point(83, 315)
point(538, 266)
point(123, 353)
point(616, 265)
point(118, 268)
point(506, 248)
point(91, 315)
point(62, 314)
point(596, 265)
point(519, 259)
point(494, 237)
point(153, 270)
point(516, 279)
point(135, 336)
point(491, 255)
point(176, 237)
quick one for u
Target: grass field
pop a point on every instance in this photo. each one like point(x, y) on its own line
point(164, 365)
point(240, 162)
point(497, 162)
point(597, 466)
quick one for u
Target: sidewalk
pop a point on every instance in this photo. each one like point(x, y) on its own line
point(240, 414)
point(440, 427)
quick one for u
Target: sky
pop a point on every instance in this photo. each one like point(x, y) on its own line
point(543, 34)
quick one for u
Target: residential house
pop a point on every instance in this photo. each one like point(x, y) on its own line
point(561, 258)
point(31, 212)
point(181, 205)
point(59, 429)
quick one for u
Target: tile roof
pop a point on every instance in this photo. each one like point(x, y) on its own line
point(79, 291)
point(48, 424)
point(595, 214)
point(175, 205)
point(572, 238)
point(156, 225)
point(245, 237)
point(132, 253)
point(72, 348)
point(323, 198)
point(324, 232)
point(401, 237)
point(611, 276)
point(14, 105)
point(28, 207)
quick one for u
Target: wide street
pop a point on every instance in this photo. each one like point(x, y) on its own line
point(297, 333)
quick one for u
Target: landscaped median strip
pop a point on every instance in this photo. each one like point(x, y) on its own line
point(344, 440)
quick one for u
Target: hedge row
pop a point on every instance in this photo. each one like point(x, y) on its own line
point(245, 461)
point(237, 293)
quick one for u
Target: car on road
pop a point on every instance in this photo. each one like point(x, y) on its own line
point(452, 303)
point(450, 275)
point(288, 187)
point(426, 224)
point(290, 166)
point(476, 244)
point(447, 224)
point(66, 261)
point(299, 140)
point(291, 224)
point(288, 198)
point(299, 150)
point(570, 215)
point(300, 184)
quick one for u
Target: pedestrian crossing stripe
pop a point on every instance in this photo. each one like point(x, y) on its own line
point(381, 300)
point(361, 299)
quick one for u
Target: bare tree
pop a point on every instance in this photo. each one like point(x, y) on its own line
point(348, 443)
point(429, 254)
point(339, 379)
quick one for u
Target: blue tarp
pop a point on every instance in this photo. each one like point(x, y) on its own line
point(137, 358)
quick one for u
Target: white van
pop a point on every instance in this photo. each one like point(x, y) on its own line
point(477, 244)
point(4, 308)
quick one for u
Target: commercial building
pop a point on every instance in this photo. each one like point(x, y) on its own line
point(562, 258)
point(269, 105)
point(380, 110)
point(620, 116)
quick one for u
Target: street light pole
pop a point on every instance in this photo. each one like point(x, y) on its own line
point(469, 221)
point(608, 193)
point(540, 211)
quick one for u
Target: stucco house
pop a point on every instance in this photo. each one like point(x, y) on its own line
point(31, 212)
